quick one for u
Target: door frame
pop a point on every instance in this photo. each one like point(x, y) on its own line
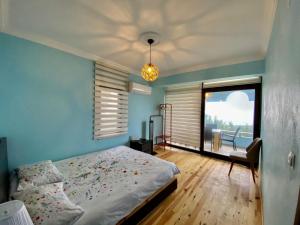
point(256, 119)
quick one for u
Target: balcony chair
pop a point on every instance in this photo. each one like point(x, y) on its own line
point(230, 138)
point(251, 156)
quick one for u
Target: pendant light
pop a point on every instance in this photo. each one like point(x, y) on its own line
point(150, 71)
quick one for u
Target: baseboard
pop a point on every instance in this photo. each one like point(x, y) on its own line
point(261, 196)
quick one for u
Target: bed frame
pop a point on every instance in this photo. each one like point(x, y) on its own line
point(4, 180)
point(134, 217)
point(149, 204)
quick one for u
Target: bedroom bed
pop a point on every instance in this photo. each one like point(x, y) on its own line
point(116, 186)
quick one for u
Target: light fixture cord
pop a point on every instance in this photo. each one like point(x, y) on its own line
point(150, 53)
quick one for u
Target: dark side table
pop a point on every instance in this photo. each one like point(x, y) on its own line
point(141, 145)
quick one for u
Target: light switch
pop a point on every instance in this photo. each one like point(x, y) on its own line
point(291, 160)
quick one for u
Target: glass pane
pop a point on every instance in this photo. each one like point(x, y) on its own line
point(229, 117)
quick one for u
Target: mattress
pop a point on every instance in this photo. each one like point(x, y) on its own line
point(109, 184)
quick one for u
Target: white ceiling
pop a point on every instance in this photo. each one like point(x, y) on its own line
point(194, 34)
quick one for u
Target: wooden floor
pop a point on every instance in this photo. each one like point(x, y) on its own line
point(224, 149)
point(206, 195)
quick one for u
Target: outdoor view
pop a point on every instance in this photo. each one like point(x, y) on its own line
point(228, 120)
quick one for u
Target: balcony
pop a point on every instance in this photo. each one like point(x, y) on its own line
point(216, 145)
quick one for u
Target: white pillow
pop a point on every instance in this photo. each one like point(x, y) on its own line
point(49, 205)
point(40, 173)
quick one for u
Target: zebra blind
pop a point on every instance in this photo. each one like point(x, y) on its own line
point(110, 101)
point(186, 103)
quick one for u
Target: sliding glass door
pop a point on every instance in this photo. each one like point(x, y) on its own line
point(230, 117)
point(214, 120)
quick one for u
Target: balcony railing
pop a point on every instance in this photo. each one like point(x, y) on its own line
point(241, 134)
point(243, 140)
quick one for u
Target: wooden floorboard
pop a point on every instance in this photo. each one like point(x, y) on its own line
point(206, 195)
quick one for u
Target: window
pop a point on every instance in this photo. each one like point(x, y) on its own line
point(110, 101)
point(230, 115)
point(186, 104)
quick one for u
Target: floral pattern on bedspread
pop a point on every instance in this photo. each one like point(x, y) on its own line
point(48, 205)
point(104, 173)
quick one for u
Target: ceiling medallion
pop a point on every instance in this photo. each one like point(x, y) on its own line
point(150, 71)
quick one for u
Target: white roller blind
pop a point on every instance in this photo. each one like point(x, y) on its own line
point(186, 104)
point(110, 101)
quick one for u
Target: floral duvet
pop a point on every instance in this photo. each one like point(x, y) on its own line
point(109, 184)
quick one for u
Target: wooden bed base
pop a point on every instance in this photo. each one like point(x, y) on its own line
point(4, 182)
point(149, 204)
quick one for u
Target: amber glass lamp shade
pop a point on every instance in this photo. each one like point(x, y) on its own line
point(150, 72)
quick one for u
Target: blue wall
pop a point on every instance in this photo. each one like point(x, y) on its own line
point(281, 117)
point(248, 68)
point(46, 99)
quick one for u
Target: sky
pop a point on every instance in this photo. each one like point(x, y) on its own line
point(236, 108)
